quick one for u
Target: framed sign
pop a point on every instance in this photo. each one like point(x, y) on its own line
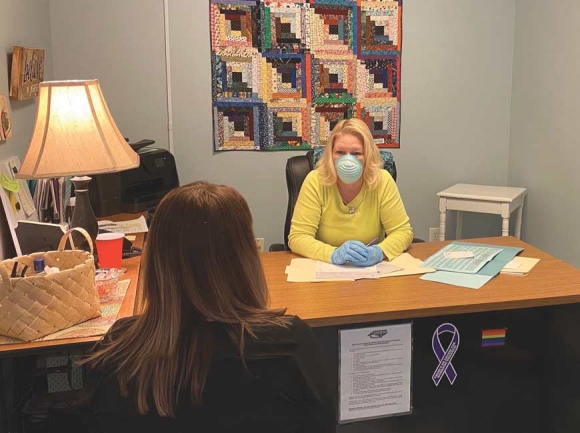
point(27, 73)
point(5, 126)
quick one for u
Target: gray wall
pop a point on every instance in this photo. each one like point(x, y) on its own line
point(456, 89)
point(456, 84)
point(545, 143)
point(122, 44)
point(457, 59)
point(25, 23)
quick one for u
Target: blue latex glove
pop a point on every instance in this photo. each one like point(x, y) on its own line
point(375, 255)
point(353, 252)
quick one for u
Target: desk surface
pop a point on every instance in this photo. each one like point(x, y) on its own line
point(551, 282)
point(127, 308)
point(501, 194)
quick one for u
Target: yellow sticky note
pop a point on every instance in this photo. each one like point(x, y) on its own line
point(8, 184)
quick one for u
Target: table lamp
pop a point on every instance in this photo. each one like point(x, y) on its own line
point(75, 135)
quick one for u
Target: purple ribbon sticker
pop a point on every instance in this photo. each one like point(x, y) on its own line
point(444, 356)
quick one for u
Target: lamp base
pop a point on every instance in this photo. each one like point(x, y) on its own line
point(83, 215)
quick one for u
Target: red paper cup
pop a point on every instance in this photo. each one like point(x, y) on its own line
point(110, 249)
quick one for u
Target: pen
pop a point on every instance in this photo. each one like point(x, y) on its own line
point(368, 245)
point(372, 242)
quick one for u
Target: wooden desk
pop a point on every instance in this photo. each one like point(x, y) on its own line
point(529, 385)
point(552, 282)
point(511, 382)
point(128, 308)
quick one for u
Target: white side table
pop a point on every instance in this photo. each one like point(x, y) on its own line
point(499, 200)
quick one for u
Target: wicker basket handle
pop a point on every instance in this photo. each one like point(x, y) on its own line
point(68, 236)
point(5, 277)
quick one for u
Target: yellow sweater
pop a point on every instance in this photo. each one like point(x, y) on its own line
point(321, 221)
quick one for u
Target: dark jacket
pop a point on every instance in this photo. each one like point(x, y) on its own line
point(282, 390)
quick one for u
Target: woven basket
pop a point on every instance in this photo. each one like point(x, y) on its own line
point(37, 305)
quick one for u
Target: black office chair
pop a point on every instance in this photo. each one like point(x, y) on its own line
point(297, 168)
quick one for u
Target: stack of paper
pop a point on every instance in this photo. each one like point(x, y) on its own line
point(464, 258)
point(521, 266)
point(307, 270)
point(327, 271)
point(489, 260)
point(138, 225)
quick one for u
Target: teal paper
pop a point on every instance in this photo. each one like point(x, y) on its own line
point(498, 262)
point(471, 281)
point(476, 281)
point(481, 256)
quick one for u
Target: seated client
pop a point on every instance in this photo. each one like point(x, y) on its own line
point(348, 203)
point(207, 354)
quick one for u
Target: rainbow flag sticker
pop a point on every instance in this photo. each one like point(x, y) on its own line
point(493, 337)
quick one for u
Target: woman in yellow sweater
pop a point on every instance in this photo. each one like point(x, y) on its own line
point(348, 203)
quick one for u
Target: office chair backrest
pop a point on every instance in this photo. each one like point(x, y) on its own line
point(298, 167)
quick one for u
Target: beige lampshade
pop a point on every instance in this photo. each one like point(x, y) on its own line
point(75, 134)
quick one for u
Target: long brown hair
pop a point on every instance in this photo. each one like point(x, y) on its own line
point(200, 265)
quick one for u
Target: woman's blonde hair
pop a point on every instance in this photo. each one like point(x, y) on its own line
point(200, 265)
point(373, 163)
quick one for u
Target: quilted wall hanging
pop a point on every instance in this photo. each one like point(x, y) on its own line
point(285, 72)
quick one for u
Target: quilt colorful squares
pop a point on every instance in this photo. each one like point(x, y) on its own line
point(285, 72)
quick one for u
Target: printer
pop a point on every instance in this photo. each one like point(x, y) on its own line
point(139, 189)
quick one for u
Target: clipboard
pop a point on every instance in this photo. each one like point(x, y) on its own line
point(16, 212)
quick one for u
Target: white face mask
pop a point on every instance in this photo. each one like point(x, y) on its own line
point(348, 168)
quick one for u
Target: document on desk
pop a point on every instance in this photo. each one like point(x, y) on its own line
point(138, 225)
point(302, 270)
point(521, 266)
point(386, 268)
point(471, 281)
point(330, 271)
point(375, 372)
point(485, 274)
point(446, 258)
point(409, 264)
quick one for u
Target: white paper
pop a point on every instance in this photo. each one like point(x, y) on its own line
point(514, 264)
point(138, 225)
point(329, 271)
point(302, 270)
point(386, 268)
point(375, 372)
point(458, 255)
point(409, 264)
point(523, 266)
